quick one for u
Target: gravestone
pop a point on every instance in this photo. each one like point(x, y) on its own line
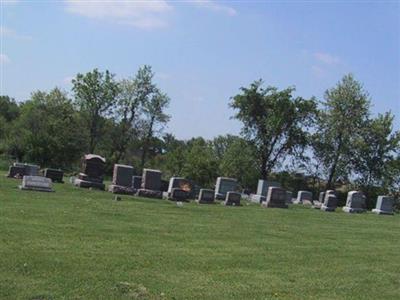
point(264, 185)
point(178, 194)
point(223, 186)
point(151, 184)
point(16, 171)
point(304, 197)
point(136, 182)
point(36, 183)
point(122, 180)
point(55, 175)
point(180, 183)
point(276, 197)
point(92, 172)
point(31, 170)
point(206, 196)
point(330, 201)
point(232, 199)
point(384, 205)
point(355, 202)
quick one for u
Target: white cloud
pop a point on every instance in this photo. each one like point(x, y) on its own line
point(8, 32)
point(141, 14)
point(4, 59)
point(327, 58)
point(214, 6)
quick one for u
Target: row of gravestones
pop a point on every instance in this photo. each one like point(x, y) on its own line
point(355, 203)
point(33, 178)
point(269, 193)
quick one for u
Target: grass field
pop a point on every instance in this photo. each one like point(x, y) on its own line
point(80, 244)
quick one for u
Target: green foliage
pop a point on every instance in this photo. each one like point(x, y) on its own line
point(238, 162)
point(200, 163)
point(344, 114)
point(95, 95)
point(274, 121)
point(48, 131)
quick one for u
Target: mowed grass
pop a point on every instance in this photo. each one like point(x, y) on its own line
point(80, 244)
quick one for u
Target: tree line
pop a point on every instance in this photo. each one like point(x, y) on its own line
point(333, 142)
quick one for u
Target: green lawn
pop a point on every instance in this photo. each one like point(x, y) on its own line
point(80, 244)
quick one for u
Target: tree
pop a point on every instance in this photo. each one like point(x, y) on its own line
point(274, 122)
point(200, 163)
point(340, 121)
point(154, 104)
point(9, 109)
point(239, 162)
point(48, 131)
point(375, 150)
point(133, 95)
point(95, 95)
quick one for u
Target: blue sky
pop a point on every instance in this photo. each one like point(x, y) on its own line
point(204, 51)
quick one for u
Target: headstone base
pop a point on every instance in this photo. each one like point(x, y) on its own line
point(274, 205)
point(316, 204)
point(119, 189)
point(353, 210)
point(327, 208)
point(219, 196)
point(382, 212)
point(89, 184)
point(38, 189)
point(149, 194)
point(307, 203)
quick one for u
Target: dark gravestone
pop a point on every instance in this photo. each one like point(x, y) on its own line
point(122, 180)
point(36, 183)
point(178, 194)
point(276, 197)
point(151, 180)
point(384, 205)
point(179, 183)
point(206, 196)
point(232, 199)
point(264, 185)
point(92, 172)
point(164, 185)
point(54, 174)
point(223, 186)
point(16, 172)
point(151, 184)
point(136, 182)
point(330, 202)
point(355, 202)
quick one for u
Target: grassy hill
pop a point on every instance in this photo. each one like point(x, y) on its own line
point(80, 244)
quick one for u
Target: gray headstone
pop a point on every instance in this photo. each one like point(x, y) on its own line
point(31, 170)
point(206, 196)
point(223, 186)
point(151, 180)
point(304, 197)
point(93, 166)
point(330, 202)
point(36, 183)
point(355, 202)
point(122, 175)
point(384, 205)
point(264, 185)
point(276, 197)
point(232, 198)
